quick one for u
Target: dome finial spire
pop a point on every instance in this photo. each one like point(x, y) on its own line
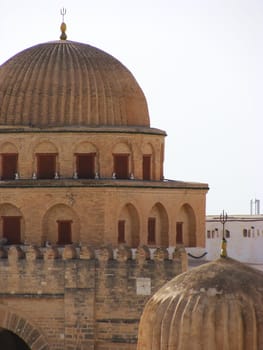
point(63, 26)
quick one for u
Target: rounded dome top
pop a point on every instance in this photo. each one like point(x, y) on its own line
point(216, 306)
point(65, 83)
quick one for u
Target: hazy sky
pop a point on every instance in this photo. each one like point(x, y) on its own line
point(200, 65)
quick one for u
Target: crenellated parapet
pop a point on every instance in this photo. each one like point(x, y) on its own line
point(98, 288)
point(102, 254)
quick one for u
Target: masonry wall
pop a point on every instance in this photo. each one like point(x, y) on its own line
point(95, 211)
point(81, 299)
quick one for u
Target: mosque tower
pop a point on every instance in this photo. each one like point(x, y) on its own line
point(84, 204)
point(79, 159)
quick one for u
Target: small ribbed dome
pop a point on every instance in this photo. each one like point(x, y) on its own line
point(65, 83)
point(213, 307)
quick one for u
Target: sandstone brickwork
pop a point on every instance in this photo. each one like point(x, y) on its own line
point(76, 299)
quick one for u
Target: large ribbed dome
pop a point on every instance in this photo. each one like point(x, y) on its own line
point(213, 307)
point(65, 83)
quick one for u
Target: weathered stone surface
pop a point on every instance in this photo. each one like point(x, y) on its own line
point(216, 306)
point(61, 301)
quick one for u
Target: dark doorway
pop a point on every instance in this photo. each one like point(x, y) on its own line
point(46, 166)
point(146, 167)
point(12, 229)
point(86, 165)
point(9, 166)
point(64, 232)
point(121, 166)
point(10, 341)
point(179, 232)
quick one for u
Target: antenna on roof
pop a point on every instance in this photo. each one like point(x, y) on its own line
point(255, 207)
point(63, 26)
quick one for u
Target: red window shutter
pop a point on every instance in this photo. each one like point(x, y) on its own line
point(46, 166)
point(64, 232)
point(151, 231)
point(121, 166)
point(12, 229)
point(179, 232)
point(146, 167)
point(121, 231)
point(86, 165)
point(9, 166)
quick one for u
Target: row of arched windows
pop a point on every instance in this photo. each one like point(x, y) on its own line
point(11, 232)
point(46, 160)
point(216, 234)
point(252, 232)
point(61, 225)
point(85, 166)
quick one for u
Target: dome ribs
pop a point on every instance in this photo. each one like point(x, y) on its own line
point(65, 83)
point(218, 305)
point(115, 90)
point(39, 109)
point(18, 71)
point(60, 117)
point(91, 104)
point(75, 105)
point(120, 78)
point(105, 72)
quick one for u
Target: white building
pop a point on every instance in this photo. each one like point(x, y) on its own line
point(244, 235)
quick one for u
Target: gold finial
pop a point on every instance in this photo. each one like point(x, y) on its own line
point(63, 26)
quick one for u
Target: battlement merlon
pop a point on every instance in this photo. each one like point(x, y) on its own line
point(102, 254)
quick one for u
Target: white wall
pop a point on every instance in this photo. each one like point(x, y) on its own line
point(245, 249)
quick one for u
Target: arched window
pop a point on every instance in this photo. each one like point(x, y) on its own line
point(46, 165)
point(121, 166)
point(146, 167)
point(122, 162)
point(158, 226)
point(151, 231)
point(227, 234)
point(179, 233)
point(85, 165)
point(61, 225)
point(121, 231)
point(9, 166)
point(12, 229)
point(64, 232)
point(186, 216)
point(128, 228)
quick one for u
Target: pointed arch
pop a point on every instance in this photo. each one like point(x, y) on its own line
point(128, 227)
point(187, 221)
point(158, 226)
